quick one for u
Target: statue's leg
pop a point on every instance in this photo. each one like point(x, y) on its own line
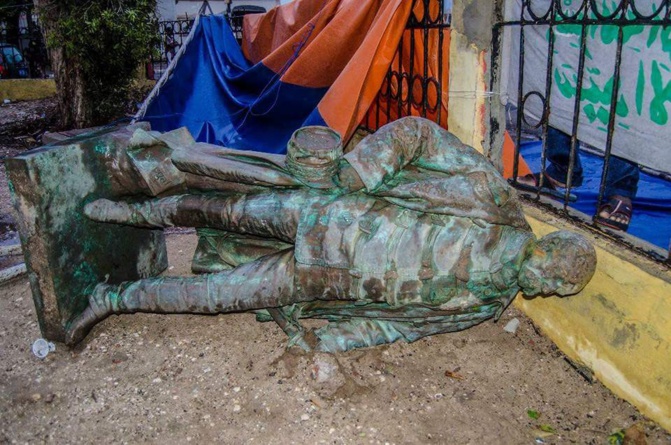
point(220, 250)
point(268, 214)
point(264, 283)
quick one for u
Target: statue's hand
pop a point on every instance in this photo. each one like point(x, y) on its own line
point(348, 178)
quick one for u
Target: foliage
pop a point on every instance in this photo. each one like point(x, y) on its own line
point(11, 8)
point(617, 438)
point(533, 414)
point(107, 40)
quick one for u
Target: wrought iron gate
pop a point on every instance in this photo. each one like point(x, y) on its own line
point(20, 28)
point(620, 19)
point(416, 83)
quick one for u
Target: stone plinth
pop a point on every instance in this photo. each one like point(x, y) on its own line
point(67, 254)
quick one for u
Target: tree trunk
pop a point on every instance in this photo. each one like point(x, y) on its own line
point(75, 111)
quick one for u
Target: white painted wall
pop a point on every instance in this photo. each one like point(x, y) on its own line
point(191, 7)
point(165, 9)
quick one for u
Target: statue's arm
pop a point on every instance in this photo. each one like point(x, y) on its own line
point(418, 142)
point(157, 164)
point(235, 166)
point(415, 163)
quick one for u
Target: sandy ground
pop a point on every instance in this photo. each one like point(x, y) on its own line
point(228, 379)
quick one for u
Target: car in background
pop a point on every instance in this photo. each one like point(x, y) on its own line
point(12, 63)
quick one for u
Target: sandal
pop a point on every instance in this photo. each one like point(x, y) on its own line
point(531, 183)
point(614, 207)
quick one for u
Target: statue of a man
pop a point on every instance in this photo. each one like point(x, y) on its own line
point(410, 234)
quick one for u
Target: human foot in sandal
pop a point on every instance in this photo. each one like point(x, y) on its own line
point(533, 180)
point(616, 213)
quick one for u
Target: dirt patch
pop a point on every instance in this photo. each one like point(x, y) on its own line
point(228, 379)
point(23, 123)
point(21, 127)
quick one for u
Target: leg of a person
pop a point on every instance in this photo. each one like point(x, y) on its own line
point(269, 213)
point(622, 179)
point(263, 283)
point(619, 191)
point(558, 153)
point(266, 282)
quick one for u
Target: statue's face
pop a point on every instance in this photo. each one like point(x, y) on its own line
point(543, 273)
point(562, 263)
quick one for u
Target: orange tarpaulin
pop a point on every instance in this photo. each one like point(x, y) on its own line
point(347, 48)
point(430, 77)
point(508, 158)
point(343, 45)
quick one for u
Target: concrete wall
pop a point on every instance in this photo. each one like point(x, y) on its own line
point(471, 105)
point(620, 325)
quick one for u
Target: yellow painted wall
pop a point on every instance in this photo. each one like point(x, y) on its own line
point(465, 117)
point(619, 326)
point(26, 89)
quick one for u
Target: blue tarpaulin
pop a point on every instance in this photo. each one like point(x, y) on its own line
point(303, 63)
point(651, 219)
point(223, 99)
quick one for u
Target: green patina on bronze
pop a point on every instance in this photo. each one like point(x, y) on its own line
point(66, 253)
point(412, 233)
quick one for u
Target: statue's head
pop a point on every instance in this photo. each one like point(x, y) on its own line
point(562, 263)
point(313, 155)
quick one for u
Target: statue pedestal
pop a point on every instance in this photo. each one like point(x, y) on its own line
point(67, 254)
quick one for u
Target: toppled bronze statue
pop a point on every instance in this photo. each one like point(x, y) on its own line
point(410, 234)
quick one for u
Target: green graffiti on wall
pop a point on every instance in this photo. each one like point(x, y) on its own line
point(652, 89)
point(658, 113)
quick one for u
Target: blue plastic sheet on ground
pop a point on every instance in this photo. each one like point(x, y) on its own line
point(223, 99)
point(651, 220)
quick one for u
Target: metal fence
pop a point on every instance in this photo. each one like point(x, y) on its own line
point(173, 33)
point(621, 18)
point(23, 52)
point(416, 82)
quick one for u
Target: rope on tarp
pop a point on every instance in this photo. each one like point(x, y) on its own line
point(297, 48)
point(167, 73)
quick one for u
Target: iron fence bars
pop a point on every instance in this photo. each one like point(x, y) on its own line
point(172, 34)
point(546, 105)
point(20, 28)
point(417, 77)
point(520, 93)
point(611, 120)
point(576, 107)
point(619, 20)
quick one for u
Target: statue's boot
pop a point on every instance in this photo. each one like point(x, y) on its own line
point(265, 283)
